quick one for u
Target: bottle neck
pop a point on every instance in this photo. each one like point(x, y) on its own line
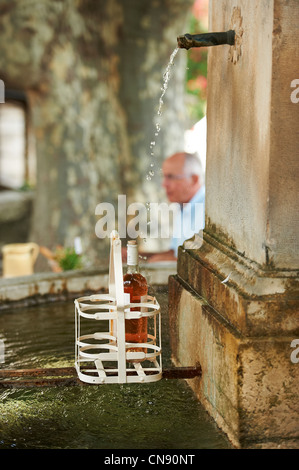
point(132, 259)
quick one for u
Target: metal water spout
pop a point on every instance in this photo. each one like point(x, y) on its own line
point(205, 40)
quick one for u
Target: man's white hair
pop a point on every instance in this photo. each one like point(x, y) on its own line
point(192, 165)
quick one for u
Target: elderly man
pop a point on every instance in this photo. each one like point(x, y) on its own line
point(183, 183)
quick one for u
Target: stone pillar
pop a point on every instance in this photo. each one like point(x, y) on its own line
point(234, 302)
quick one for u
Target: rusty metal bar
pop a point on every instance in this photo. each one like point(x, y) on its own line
point(62, 371)
point(182, 372)
point(67, 376)
point(62, 381)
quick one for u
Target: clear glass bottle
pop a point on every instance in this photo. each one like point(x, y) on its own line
point(135, 284)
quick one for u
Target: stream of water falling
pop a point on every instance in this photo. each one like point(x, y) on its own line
point(166, 78)
point(152, 169)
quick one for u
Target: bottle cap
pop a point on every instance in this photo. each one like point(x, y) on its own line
point(132, 253)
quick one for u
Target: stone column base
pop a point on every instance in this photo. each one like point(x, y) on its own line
point(238, 322)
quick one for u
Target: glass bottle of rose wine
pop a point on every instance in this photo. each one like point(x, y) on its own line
point(136, 285)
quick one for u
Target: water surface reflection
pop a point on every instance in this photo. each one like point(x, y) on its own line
point(160, 415)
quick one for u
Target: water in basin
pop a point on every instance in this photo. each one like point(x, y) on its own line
point(160, 415)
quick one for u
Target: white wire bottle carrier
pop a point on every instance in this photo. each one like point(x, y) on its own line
point(105, 356)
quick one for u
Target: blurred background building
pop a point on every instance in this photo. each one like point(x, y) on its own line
point(82, 86)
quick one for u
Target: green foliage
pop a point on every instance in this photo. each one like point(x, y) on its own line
point(26, 186)
point(68, 259)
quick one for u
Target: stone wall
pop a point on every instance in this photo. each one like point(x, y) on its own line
point(253, 134)
point(234, 302)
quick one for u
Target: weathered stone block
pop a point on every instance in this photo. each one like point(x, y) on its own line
point(248, 382)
